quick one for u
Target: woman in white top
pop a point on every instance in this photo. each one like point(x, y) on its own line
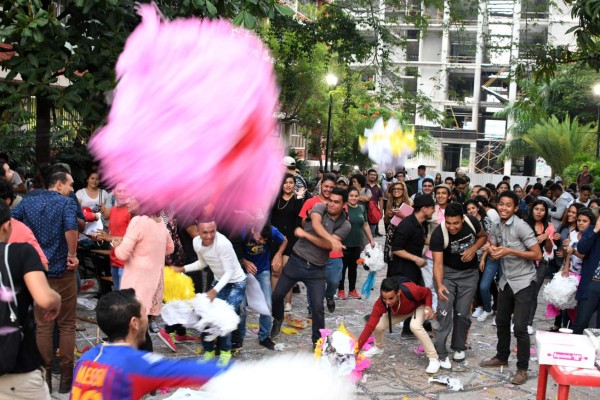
point(92, 196)
point(98, 200)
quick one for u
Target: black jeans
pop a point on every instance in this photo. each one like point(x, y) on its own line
point(516, 305)
point(351, 255)
point(314, 278)
point(587, 307)
point(540, 277)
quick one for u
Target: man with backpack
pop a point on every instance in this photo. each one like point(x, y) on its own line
point(22, 281)
point(454, 246)
point(398, 300)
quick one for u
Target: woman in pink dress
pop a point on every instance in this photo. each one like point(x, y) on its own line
point(143, 248)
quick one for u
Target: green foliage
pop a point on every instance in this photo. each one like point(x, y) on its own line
point(557, 141)
point(548, 58)
point(572, 170)
point(80, 43)
point(567, 94)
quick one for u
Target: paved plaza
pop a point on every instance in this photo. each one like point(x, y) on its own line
point(398, 373)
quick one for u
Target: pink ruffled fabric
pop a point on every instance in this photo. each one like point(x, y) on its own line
point(193, 119)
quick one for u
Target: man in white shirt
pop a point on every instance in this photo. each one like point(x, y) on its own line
point(216, 251)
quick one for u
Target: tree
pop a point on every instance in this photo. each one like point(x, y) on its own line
point(567, 94)
point(557, 141)
point(79, 44)
point(548, 58)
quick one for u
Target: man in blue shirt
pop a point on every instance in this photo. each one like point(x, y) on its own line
point(117, 370)
point(52, 216)
point(257, 261)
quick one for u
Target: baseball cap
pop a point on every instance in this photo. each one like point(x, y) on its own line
point(343, 179)
point(289, 161)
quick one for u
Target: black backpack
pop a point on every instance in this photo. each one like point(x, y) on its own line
point(407, 293)
point(10, 340)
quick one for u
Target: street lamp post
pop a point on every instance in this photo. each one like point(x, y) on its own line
point(331, 82)
point(597, 94)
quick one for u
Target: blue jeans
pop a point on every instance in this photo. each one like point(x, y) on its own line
point(116, 273)
point(264, 321)
point(314, 278)
point(234, 294)
point(333, 271)
point(487, 279)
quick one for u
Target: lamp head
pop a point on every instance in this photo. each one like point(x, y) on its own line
point(331, 80)
point(596, 89)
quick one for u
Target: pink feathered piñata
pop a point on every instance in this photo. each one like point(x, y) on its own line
point(193, 119)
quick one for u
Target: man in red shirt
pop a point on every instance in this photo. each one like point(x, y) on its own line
point(398, 301)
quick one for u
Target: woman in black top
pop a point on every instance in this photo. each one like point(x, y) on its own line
point(544, 232)
point(285, 217)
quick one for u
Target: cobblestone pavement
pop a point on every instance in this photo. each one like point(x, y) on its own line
point(398, 373)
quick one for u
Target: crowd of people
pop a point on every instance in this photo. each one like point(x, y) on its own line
point(454, 251)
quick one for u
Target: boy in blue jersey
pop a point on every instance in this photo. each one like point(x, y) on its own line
point(118, 370)
point(256, 260)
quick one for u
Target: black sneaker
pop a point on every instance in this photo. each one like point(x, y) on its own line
point(331, 305)
point(296, 288)
point(427, 326)
point(276, 329)
point(268, 343)
point(407, 334)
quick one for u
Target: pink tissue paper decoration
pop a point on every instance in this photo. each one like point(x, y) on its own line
point(192, 121)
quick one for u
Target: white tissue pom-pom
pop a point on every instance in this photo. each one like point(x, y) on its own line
point(289, 376)
point(179, 312)
point(217, 317)
point(373, 257)
point(560, 292)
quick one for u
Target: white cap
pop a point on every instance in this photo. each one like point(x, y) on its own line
point(289, 161)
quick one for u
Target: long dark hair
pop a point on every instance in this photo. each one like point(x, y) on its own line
point(480, 209)
point(285, 177)
point(531, 220)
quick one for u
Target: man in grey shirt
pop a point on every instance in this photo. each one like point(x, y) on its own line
point(325, 230)
point(513, 242)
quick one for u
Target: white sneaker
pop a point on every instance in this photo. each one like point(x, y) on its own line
point(530, 329)
point(494, 322)
point(434, 366)
point(445, 364)
point(477, 312)
point(373, 351)
point(288, 307)
point(459, 356)
point(483, 316)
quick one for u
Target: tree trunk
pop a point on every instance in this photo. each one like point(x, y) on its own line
point(529, 166)
point(42, 130)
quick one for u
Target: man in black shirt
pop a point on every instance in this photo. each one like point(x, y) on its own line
point(26, 379)
point(409, 240)
point(454, 246)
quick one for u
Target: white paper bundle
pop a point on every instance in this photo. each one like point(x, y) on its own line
point(217, 317)
point(560, 291)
